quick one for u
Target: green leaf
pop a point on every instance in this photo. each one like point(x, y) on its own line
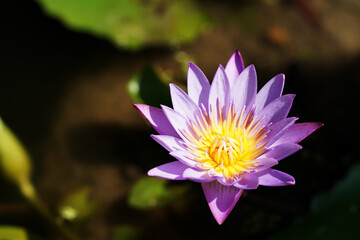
point(15, 162)
point(335, 215)
point(12, 233)
point(132, 23)
point(147, 87)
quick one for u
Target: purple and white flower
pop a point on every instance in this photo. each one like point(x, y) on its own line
point(226, 135)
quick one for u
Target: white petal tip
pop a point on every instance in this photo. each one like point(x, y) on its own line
point(220, 220)
point(151, 173)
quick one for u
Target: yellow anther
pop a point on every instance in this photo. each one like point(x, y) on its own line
point(226, 143)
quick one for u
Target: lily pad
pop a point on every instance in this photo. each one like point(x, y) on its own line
point(132, 23)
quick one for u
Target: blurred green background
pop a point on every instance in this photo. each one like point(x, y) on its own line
point(71, 70)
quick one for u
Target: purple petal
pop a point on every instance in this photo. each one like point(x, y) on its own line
point(274, 177)
point(178, 122)
point(248, 181)
point(182, 103)
point(279, 129)
point(265, 162)
point(221, 199)
point(178, 171)
point(172, 171)
point(282, 151)
point(170, 143)
point(198, 85)
point(197, 175)
point(269, 92)
point(234, 67)
point(298, 132)
point(243, 92)
point(275, 111)
point(226, 182)
point(185, 157)
point(157, 119)
point(219, 91)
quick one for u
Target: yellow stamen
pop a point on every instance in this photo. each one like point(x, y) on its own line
point(227, 143)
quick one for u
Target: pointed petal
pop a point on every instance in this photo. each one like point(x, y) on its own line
point(298, 132)
point(157, 119)
point(269, 92)
point(279, 129)
point(219, 91)
point(243, 92)
point(221, 199)
point(170, 143)
point(282, 151)
point(185, 157)
point(234, 67)
point(198, 85)
point(182, 103)
point(274, 177)
point(178, 171)
point(275, 111)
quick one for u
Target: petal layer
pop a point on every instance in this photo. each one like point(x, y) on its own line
point(279, 129)
point(172, 171)
point(170, 143)
point(282, 151)
point(182, 103)
point(275, 111)
point(221, 199)
point(178, 171)
point(185, 158)
point(265, 162)
point(248, 181)
point(178, 122)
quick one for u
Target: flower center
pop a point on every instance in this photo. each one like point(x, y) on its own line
point(224, 150)
point(229, 157)
point(228, 145)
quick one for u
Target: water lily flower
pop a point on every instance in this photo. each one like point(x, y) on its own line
point(226, 135)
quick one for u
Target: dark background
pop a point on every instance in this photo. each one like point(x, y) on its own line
point(63, 93)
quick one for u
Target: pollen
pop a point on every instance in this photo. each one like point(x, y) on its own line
point(225, 142)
